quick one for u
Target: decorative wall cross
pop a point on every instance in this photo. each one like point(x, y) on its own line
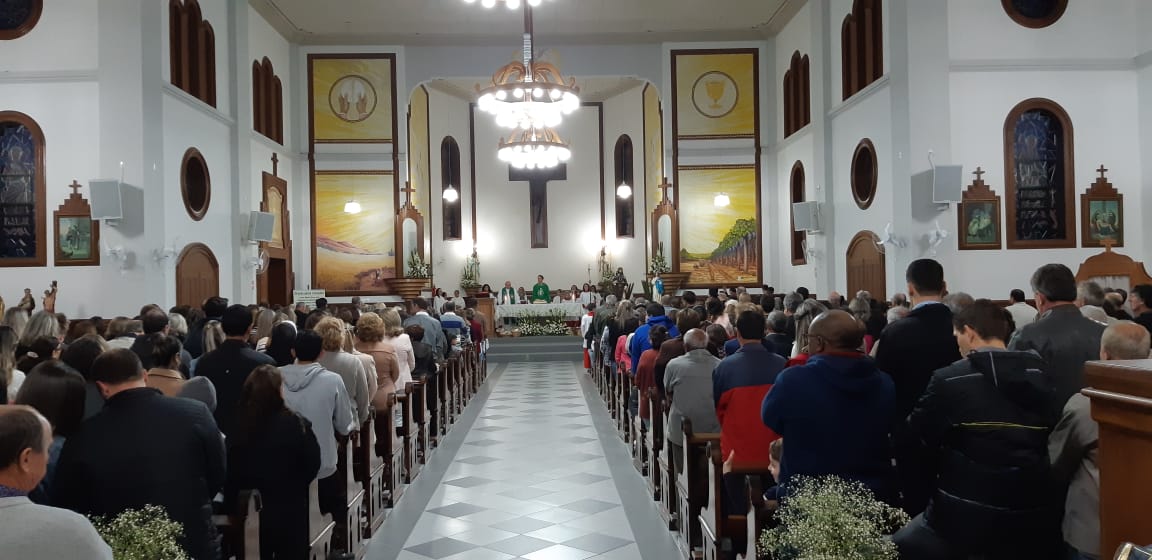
point(664, 191)
point(1102, 170)
point(275, 165)
point(407, 190)
point(979, 173)
point(75, 186)
point(538, 197)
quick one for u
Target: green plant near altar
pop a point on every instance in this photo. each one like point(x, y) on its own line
point(417, 268)
point(141, 534)
point(829, 518)
point(470, 276)
point(543, 323)
point(658, 264)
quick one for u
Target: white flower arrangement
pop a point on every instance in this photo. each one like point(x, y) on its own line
point(141, 534)
point(417, 268)
point(544, 324)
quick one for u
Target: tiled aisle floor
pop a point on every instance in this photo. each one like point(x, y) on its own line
point(532, 480)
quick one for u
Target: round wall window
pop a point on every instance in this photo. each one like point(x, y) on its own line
point(1035, 14)
point(864, 174)
point(195, 184)
point(18, 17)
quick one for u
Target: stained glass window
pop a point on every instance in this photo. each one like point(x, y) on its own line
point(21, 189)
point(1039, 173)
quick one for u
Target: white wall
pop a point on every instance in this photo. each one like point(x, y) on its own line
point(982, 30)
point(64, 39)
point(624, 114)
point(448, 116)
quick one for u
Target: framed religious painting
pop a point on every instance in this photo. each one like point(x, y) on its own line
point(979, 216)
point(77, 235)
point(1102, 213)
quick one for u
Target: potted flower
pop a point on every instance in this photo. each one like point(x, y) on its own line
point(415, 277)
point(141, 534)
point(829, 517)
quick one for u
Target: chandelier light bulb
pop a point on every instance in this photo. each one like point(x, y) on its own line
point(518, 93)
point(451, 194)
point(624, 191)
point(352, 207)
point(501, 95)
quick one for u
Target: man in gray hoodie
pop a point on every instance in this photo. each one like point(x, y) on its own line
point(320, 396)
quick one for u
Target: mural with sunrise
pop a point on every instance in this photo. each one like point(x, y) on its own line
point(354, 252)
point(719, 245)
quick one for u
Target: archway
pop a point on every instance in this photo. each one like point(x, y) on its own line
point(866, 270)
point(197, 275)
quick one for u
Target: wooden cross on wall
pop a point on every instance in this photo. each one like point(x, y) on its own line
point(538, 198)
point(664, 187)
point(408, 190)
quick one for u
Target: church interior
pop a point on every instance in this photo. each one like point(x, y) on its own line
point(274, 152)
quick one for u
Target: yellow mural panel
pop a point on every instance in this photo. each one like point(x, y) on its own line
point(653, 146)
point(354, 252)
point(419, 175)
point(352, 98)
point(715, 94)
point(719, 245)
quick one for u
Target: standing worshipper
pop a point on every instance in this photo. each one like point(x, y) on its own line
point(641, 342)
point(228, 366)
point(25, 439)
point(214, 308)
point(910, 350)
point(348, 366)
point(57, 391)
point(738, 387)
point(1141, 301)
point(145, 449)
point(586, 334)
point(540, 291)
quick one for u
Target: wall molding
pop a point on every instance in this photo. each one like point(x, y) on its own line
point(859, 96)
point(1056, 64)
point(1142, 60)
point(195, 103)
point(48, 76)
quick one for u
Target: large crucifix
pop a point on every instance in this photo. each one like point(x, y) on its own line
point(538, 197)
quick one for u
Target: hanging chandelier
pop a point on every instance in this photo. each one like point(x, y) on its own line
point(528, 93)
point(534, 148)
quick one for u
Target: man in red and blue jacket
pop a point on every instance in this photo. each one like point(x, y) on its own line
point(738, 387)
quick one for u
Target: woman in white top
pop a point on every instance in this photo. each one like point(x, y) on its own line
point(394, 333)
point(11, 377)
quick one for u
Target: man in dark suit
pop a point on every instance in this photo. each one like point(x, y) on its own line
point(1141, 300)
point(213, 308)
point(910, 350)
point(156, 321)
point(1060, 334)
point(228, 366)
point(144, 448)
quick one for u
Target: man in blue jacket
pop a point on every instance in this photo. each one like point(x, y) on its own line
point(640, 341)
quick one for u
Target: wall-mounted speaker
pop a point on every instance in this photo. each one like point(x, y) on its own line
point(106, 199)
point(947, 183)
point(260, 226)
point(806, 216)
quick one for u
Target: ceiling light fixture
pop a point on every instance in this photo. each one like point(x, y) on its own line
point(512, 4)
point(624, 191)
point(451, 194)
point(535, 148)
point(528, 93)
point(352, 207)
point(721, 200)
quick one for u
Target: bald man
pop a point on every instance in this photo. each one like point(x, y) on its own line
point(835, 411)
point(24, 439)
point(1072, 445)
point(688, 381)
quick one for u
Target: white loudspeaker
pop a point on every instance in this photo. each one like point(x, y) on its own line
point(947, 183)
point(806, 216)
point(260, 226)
point(105, 199)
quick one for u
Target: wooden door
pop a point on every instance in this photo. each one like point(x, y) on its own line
point(866, 269)
point(197, 275)
point(274, 285)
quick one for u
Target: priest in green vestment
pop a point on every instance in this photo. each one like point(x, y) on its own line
point(540, 292)
point(507, 294)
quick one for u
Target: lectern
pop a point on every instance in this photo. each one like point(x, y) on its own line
point(1121, 394)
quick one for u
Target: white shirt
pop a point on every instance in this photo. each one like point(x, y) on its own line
point(1022, 313)
point(14, 386)
point(405, 354)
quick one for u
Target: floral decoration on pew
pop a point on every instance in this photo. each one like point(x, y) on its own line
point(548, 323)
point(829, 518)
point(141, 534)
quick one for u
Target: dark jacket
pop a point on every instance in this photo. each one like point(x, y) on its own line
point(778, 344)
point(834, 413)
point(914, 347)
point(194, 342)
point(1065, 339)
point(280, 458)
point(144, 448)
point(228, 367)
point(985, 418)
point(738, 388)
point(143, 348)
point(641, 342)
point(670, 350)
point(1144, 319)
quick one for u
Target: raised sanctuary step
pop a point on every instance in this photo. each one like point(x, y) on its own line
point(535, 349)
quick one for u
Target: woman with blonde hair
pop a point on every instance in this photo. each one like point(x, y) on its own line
point(17, 319)
point(41, 324)
point(349, 367)
point(807, 313)
point(212, 337)
point(178, 326)
point(264, 321)
point(370, 340)
point(394, 334)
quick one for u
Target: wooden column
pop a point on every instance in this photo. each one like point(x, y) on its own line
point(1121, 394)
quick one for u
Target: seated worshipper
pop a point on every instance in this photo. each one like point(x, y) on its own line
point(645, 377)
point(393, 333)
point(433, 330)
point(10, 376)
point(778, 339)
point(641, 341)
point(985, 422)
point(274, 451)
point(623, 358)
point(31, 531)
point(122, 333)
point(319, 395)
point(686, 320)
point(41, 325)
point(835, 410)
point(738, 387)
point(165, 374)
point(280, 343)
point(155, 321)
point(423, 368)
point(144, 448)
point(507, 295)
point(1141, 301)
point(42, 349)
point(347, 366)
point(1072, 447)
point(370, 341)
point(717, 338)
point(1115, 305)
point(475, 329)
point(228, 365)
point(688, 382)
point(79, 356)
point(1060, 334)
point(57, 391)
point(453, 324)
point(805, 314)
point(540, 291)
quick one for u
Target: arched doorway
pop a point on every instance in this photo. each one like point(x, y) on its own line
point(197, 275)
point(866, 269)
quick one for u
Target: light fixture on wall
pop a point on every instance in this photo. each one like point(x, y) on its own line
point(721, 200)
point(624, 191)
point(528, 93)
point(451, 194)
point(535, 148)
point(352, 207)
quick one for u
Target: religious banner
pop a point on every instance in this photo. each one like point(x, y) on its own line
point(353, 253)
point(77, 235)
point(352, 98)
point(715, 93)
point(719, 226)
point(653, 146)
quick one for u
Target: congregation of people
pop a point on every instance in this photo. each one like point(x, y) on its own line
point(966, 413)
point(183, 409)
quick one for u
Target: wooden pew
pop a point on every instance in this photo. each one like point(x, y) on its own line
point(755, 520)
point(408, 435)
point(362, 464)
point(447, 396)
point(654, 441)
point(692, 489)
point(623, 392)
point(320, 526)
point(724, 533)
point(348, 531)
point(240, 530)
point(640, 445)
point(420, 420)
point(379, 475)
point(391, 452)
point(665, 465)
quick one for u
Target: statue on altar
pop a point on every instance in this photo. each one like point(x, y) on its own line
point(50, 298)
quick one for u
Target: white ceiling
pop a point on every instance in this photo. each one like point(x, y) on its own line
point(454, 22)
